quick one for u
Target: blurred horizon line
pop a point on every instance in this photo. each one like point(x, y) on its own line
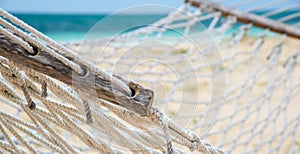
point(116, 12)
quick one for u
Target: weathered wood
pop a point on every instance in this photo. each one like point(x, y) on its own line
point(140, 102)
point(244, 17)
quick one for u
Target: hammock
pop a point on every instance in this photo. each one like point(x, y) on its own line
point(149, 93)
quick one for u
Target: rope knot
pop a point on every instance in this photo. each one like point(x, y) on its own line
point(193, 146)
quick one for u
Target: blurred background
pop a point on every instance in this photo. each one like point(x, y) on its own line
point(67, 21)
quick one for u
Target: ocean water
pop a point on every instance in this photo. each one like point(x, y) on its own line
point(65, 27)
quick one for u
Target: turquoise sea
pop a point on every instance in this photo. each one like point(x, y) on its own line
point(65, 27)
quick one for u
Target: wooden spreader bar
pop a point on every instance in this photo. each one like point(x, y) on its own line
point(244, 17)
point(139, 102)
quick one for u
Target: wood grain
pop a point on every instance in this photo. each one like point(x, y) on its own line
point(140, 102)
point(244, 17)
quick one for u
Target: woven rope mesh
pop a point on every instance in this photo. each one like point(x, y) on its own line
point(235, 90)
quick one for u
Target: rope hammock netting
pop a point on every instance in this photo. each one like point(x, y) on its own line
point(148, 93)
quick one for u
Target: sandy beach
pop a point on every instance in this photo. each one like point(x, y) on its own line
point(171, 77)
point(254, 111)
point(252, 114)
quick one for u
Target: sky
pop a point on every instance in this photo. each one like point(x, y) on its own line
point(81, 6)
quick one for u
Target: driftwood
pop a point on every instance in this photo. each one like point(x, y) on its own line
point(140, 102)
point(243, 17)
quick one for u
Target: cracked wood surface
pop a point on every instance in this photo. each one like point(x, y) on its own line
point(140, 102)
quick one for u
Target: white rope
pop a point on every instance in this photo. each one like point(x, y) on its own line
point(289, 17)
point(280, 10)
point(66, 120)
point(25, 45)
point(59, 47)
